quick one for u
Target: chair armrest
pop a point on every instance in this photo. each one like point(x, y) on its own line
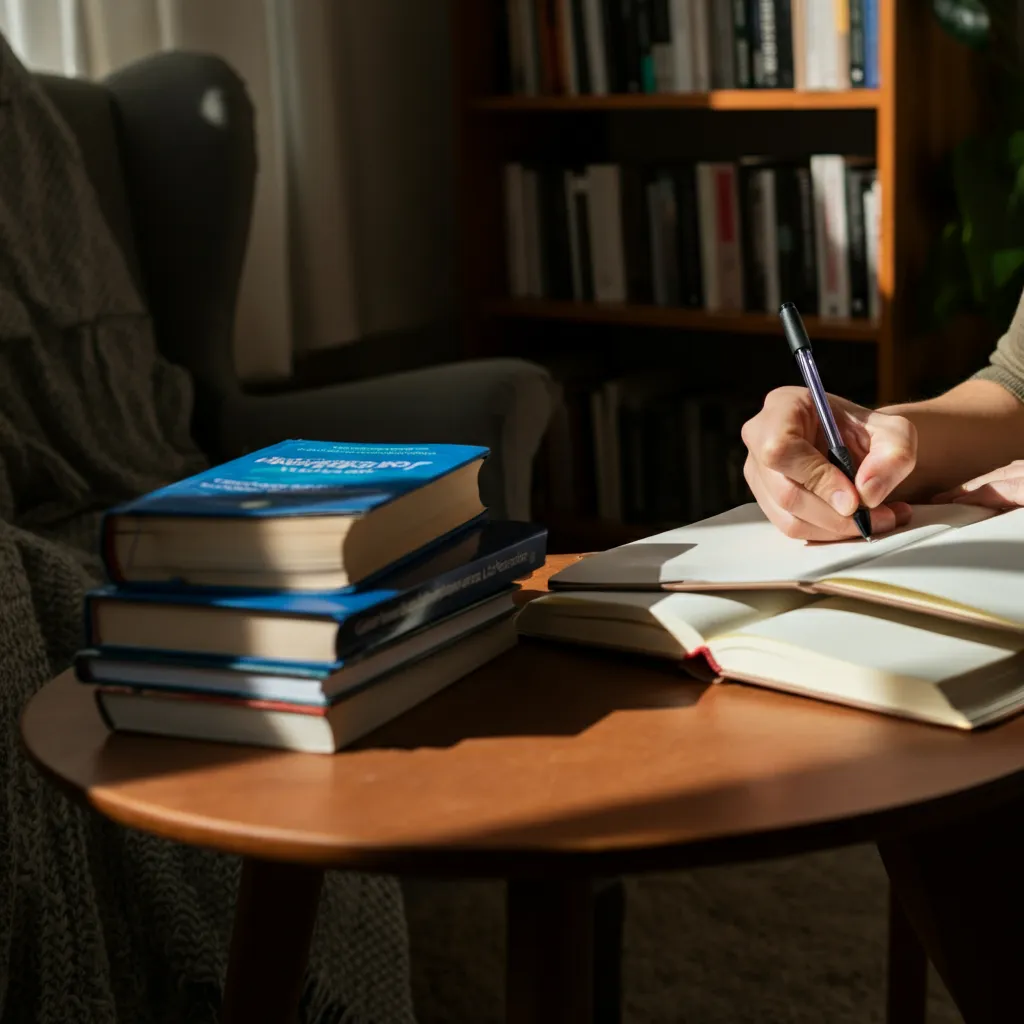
point(504, 404)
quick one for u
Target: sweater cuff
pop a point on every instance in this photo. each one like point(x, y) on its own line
point(1011, 382)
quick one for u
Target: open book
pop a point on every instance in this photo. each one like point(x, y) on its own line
point(927, 622)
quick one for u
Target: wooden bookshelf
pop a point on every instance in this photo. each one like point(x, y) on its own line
point(931, 96)
point(674, 317)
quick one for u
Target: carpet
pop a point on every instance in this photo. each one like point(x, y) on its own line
point(794, 941)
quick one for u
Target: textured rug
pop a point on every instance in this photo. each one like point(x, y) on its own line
point(796, 941)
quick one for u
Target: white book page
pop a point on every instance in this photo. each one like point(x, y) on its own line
point(740, 548)
point(980, 567)
point(691, 618)
point(899, 644)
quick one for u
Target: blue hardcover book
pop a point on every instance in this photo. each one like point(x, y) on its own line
point(871, 75)
point(322, 629)
point(286, 682)
point(299, 515)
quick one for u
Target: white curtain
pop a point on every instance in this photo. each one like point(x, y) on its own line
point(299, 286)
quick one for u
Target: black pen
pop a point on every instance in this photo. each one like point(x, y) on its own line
point(838, 455)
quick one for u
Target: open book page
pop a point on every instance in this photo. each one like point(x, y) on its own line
point(882, 658)
point(975, 572)
point(651, 622)
point(740, 548)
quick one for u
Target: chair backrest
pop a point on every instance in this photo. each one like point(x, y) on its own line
point(169, 143)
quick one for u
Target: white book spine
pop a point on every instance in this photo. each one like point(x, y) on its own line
point(827, 43)
point(682, 46)
point(831, 235)
point(531, 57)
point(872, 229)
point(813, 47)
point(606, 244)
point(701, 45)
point(593, 24)
point(531, 208)
point(572, 81)
point(770, 234)
point(515, 232)
point(708, 223)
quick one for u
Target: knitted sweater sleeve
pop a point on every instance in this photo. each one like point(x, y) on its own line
point(1006, 364)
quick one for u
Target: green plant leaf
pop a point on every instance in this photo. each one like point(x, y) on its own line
point(1005, 264)
point(966, 20)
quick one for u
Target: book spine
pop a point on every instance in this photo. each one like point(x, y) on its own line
point(530, 43)
point(645, 42)
point(682, 46)
point(556, 254)
point(858, 261)
point(798, 33)
point(444, 595)
point(662, 53)
point(723, 51)
point(544, 13)
point(605, 212)
point(706, 207)
point(636, 236)
point(842, 52)
point(728, 234)
point(688, 238)
point(656, 233)
point(741, 43)
point(764, 67)
point(751, 205)
point(807, 261)
point(615, 49)
point(597, 54)
point(784, 43)
point(628, 19)
point(770, 241)
point(701, 45)
point(872, 227)
point(857, 44)
point(871, 77)
point(566, 36)
point(516, 57)
point(831, 235)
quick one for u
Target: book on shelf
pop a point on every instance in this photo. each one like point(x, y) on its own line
point(720, 236)
point(580, 47)
point(299, 515)
point(918, 623)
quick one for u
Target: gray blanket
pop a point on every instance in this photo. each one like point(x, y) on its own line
point(98, 924)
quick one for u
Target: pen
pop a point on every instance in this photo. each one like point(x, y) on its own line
point(838, 455)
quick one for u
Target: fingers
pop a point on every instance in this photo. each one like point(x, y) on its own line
point(798, 513)
point(891, 456)
point(1002, 475)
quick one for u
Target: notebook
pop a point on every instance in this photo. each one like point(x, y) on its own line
point(925, 623)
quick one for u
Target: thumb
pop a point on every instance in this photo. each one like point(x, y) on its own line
point(798, 459)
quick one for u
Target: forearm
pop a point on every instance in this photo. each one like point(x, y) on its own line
point(973, 428)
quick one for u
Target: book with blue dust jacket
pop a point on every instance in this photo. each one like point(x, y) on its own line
point(323, 629)
point(299, 515)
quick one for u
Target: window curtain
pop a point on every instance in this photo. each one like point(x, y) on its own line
point(298, 287)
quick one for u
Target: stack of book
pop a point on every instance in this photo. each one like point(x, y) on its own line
point(716, 236)
point(302, 595)
point(573, 47)
point(920, 622)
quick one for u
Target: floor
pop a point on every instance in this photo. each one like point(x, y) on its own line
point(797, 941)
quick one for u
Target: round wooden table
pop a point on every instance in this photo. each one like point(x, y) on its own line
point(549, 767)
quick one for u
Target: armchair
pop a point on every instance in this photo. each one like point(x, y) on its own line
point(169, 143)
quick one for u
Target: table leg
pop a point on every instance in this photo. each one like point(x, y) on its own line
point(274, 919)
point(549, 953)
point(907, 999)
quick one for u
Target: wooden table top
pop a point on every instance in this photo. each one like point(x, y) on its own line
point(547, 760)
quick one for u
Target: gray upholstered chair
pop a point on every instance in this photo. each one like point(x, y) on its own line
point(176, 186)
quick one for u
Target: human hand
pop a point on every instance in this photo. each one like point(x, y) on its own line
point(800, 491)
point(1001, 489)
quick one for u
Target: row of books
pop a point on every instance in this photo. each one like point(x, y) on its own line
point(572, 47)
point(303, 595)
point(716, 236)
point(641, 449)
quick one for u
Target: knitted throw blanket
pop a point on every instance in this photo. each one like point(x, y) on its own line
point(97, 924)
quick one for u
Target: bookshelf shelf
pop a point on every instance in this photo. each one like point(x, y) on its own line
point(721, 99)
point(688, 319)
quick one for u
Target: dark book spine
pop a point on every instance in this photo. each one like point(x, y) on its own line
point(751, 213)
point(556, 249)
point(857, 44)
point(444, 595)
point(629, 21)
point(870, 22)
point(550, 83)
point(581, 201)
point(645, 44)
point(784, 43)
point(787, 227)
point(764, 65)
point(661, 46)
point(502, 51)
point(636, 236)
point(857, 241)
point(631, 448)
point(614, 45)
point(741, 41)
point(691, 291)
point(808, 262)
point(584, 81)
